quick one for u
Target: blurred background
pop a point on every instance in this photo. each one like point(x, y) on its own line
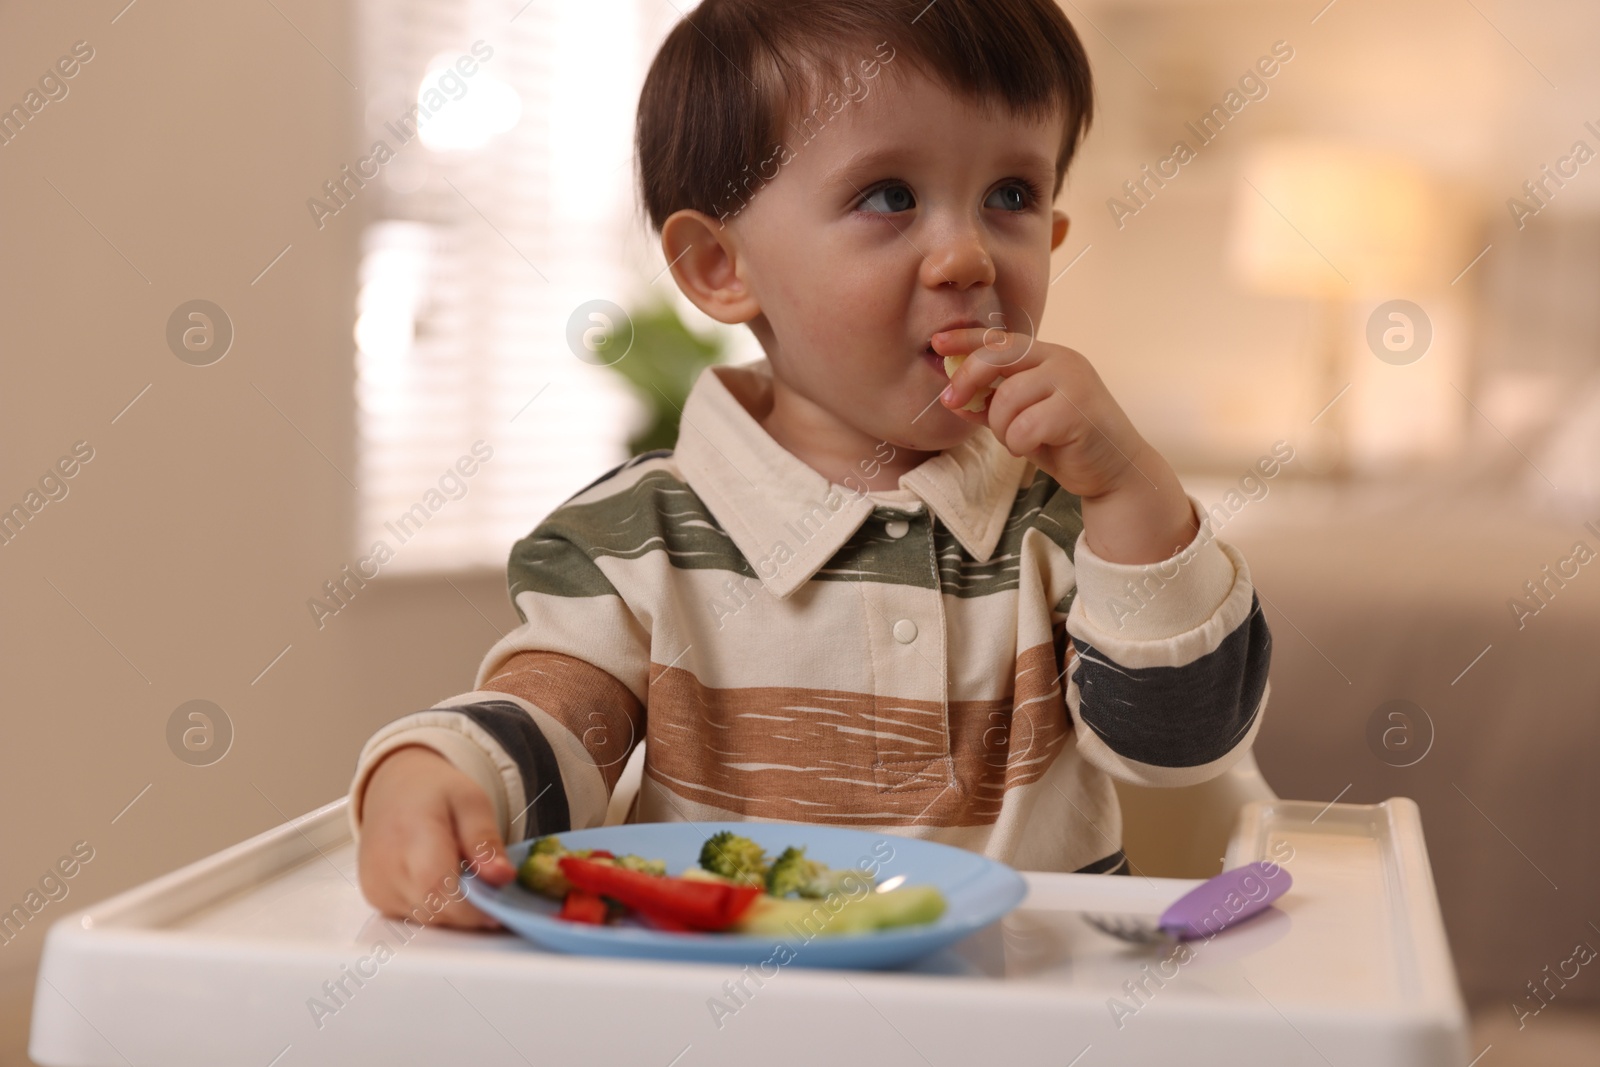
point(242, 344)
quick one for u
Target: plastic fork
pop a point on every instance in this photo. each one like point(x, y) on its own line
point(1209, 908)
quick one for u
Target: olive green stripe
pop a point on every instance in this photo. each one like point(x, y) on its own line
point(548, 564)
point(1042, 505)
point(657, 513)
point(660, 513)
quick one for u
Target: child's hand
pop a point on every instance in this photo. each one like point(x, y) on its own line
point(1050, 406)
point(420, 817)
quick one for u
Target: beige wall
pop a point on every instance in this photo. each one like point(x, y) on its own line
point(191, 541)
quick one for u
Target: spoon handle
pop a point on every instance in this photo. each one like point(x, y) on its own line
point(1229, 898)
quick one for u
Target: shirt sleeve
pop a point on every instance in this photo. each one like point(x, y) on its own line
point(557, 706)
point(1170, 674)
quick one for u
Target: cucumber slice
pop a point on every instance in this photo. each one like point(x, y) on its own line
point(909, 905)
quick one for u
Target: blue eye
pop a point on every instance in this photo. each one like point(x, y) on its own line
point(904, 201)
point(1024, 195)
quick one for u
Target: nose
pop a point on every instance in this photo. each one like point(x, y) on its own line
point(957, 257)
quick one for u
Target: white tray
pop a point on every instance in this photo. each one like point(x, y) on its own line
point(218, 963)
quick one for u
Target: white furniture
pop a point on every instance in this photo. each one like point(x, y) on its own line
point(1378, 592)
point(224, 960)
point(1183, 833)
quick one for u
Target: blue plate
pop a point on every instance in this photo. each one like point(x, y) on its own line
point(977, 891)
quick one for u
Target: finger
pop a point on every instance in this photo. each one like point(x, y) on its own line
point(1000, 348)
point(429, 879)
point(1007, 354)
point(432, 885)
point(384, 862)
point(1024, 416)
point(478, 836)
point(967, 382)
point(379, 873)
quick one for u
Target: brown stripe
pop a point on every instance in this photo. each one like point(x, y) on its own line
point(830, 756)
point(597, 708)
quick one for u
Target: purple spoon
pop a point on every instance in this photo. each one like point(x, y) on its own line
point(1207, 909)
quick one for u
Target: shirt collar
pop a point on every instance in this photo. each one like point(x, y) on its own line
point(789, 520)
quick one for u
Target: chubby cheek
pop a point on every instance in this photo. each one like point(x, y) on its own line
point(1023, 284)
point(845, 322)
point(1032, 286)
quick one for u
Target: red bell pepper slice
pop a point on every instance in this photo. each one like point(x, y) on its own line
point(582, 906)
point(700, 905)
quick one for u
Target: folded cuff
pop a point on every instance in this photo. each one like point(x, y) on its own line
point(1153, 601)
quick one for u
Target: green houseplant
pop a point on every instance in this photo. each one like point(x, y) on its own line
point(661, 366)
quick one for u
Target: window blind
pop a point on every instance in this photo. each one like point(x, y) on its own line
point(511, 206)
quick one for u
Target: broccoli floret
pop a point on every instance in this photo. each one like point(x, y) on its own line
point(541, 871)
point(735, 857)
point(639, 863)
point(792, 872)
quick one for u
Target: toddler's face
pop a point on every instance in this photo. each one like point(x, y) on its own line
point(908, 212)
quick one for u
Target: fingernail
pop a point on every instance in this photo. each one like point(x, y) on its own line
point(949, 394)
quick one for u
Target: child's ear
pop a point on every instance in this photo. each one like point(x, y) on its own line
point(1058, 229)
point(704, 259)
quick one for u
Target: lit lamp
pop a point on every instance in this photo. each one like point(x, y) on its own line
point(1332, 222)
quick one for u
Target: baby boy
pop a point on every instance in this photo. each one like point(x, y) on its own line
point(859, 591)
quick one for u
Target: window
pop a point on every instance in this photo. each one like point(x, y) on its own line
point(503, 204)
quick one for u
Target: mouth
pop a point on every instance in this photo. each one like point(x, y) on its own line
point(933, 357)
point(958, 324)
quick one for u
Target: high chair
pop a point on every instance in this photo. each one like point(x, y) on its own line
point(219, 961)
point(1166, 833)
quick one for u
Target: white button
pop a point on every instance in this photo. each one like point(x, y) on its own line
point(897, 528)
point(905, 631)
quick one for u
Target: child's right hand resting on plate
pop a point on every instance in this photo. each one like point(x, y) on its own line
point(420, 818)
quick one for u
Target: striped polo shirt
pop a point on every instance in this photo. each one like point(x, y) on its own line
point(948, 660)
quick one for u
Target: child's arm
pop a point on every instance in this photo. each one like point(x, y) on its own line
point(544, 737)
point(535, 748)
point(1171, 664)
point(1172, 648)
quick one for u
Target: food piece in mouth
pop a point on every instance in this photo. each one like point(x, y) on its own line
point(980, 399)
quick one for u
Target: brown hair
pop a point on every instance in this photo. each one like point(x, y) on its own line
point(726, 79)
